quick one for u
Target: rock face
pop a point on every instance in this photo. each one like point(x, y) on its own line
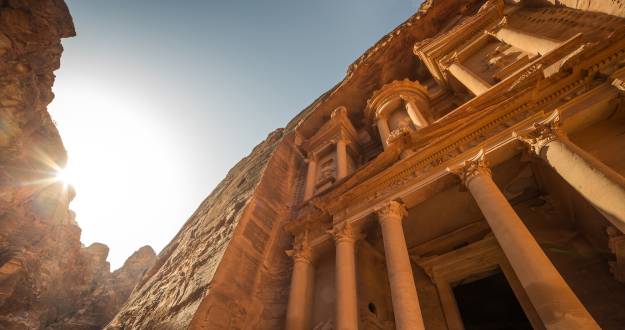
point(47, 278)
point(107, 291)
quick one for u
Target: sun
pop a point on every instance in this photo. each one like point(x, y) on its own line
point(64, 176)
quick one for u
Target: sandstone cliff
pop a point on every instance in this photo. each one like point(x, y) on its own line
point(47, 279)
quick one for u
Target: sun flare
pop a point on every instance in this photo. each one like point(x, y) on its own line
point(64, 176)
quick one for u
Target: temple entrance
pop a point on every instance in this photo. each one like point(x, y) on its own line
point(490, 303)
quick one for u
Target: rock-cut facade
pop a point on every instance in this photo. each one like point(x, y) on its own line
point(468, 172)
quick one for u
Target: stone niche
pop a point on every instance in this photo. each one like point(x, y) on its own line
point(332, 153)
point(400, 106)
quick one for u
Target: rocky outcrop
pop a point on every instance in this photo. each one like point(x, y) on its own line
point(107, 291)
point(47, 278)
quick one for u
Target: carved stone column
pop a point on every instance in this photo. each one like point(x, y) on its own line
point(298, 310)
point(403, 291)
point(341, 159)
point(310, 176)
point(550, 295)
point(449, 305)
point(599, 184)
point(415, 114)
point(469, 79)
point(385, 132)
point(346, 296)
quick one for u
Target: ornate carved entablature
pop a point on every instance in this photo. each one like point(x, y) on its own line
point(467, 130)
point(433, 50)
point(332, 153)
point(400, 106)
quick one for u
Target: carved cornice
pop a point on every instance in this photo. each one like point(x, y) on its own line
point(470, 168)
point(393, 210)
point(338, 127)
point(302, 251)
point(541, 133)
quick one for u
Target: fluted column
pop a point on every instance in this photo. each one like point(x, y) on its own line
point(415, 114)
point(310, 176)
point(469, 79)
point(550, 295)
point(599, 184)
point(299, 306)
point(403, 291)
point(346, 295)
point(341, 159)
point(384, 131)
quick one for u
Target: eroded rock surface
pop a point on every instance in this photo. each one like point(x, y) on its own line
point(47, 278)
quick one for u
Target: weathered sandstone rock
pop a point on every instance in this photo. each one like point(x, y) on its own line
point(47, 279)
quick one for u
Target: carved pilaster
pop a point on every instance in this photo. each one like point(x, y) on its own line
point(541, 133)
point(301, 251)
point(393, 210)
point(471, 167)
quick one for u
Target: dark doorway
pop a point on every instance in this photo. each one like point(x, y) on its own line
point(489, 303)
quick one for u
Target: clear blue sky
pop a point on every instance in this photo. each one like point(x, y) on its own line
point(157, 100)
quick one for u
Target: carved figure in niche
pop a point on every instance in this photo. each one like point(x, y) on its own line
point(399, 119)
point(327, 172)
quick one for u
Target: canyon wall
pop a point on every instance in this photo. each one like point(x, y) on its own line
point(47, 278)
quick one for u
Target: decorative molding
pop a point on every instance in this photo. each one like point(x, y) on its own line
point(398, 134)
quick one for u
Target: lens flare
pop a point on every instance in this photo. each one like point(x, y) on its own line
point(64, 176)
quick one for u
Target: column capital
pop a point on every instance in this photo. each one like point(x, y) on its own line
point(393, 210)
point(343, 232)
point(471, 167)
point(541, 133)
point(449, 60)
point(311, 157)
point(302, 251)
